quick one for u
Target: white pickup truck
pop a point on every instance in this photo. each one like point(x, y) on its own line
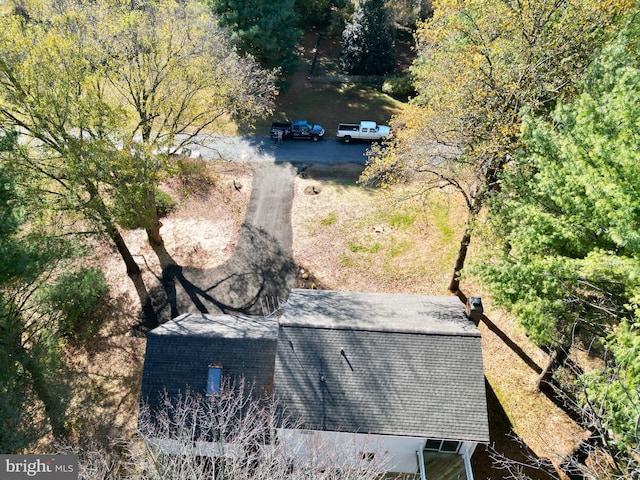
point(366, 131)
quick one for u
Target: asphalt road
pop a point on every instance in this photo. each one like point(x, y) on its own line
point(262, 149)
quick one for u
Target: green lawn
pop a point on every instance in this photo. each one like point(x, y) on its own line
point(328, 103)
point(331, 103)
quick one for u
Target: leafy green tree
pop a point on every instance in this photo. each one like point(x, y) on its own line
point(176, 72)
point(479, 63)
point(612, 397)
point(266, 30)
point(43, 301)
point(568, 207)
point(17, 431)
point(368, 41)
point(567, 244)
point(68, 157)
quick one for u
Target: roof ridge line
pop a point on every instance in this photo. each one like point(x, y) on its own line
point(382, 330)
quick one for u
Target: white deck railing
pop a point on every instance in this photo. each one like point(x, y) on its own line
point(423, 473)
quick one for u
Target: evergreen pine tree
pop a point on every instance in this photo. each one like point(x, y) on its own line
point(368, 40)
point(264, 29)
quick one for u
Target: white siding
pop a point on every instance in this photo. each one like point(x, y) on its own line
point(390, 453)
point(331, 449)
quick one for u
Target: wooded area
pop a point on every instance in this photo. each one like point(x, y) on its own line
point(530, 115)
point(528, 110)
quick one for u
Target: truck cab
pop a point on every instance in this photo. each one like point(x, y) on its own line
point(304, 129)
point(298, 129)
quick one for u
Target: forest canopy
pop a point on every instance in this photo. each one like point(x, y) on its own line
point(566, 232)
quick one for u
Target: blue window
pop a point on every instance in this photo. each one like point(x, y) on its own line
point(214, 378)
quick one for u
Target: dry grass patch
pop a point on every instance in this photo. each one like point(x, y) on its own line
point(543, 426)
point(354, 238)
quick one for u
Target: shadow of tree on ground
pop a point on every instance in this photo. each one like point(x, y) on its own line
point(259, 274)
point(510, 447)
point(255, 279)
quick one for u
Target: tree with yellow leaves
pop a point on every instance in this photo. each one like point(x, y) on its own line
point(99, 90)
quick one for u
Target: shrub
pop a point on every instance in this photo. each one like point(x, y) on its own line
point(194, 177)
point(78, 297)
point(399, 87)
point(165, 203)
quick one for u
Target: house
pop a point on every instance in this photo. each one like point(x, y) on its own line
point(400, 376)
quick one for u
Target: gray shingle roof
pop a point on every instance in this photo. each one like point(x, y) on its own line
point(382, 363)
point(388, 364)
point(179, 352)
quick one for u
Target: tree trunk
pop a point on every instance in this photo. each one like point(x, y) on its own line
point(454, 285)
point(133, 269)
point(134, 273)
point(153, 228)
point(153, 233)
point(474, 208)
point(556, 357)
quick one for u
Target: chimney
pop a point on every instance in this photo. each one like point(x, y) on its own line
point(474, 309)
